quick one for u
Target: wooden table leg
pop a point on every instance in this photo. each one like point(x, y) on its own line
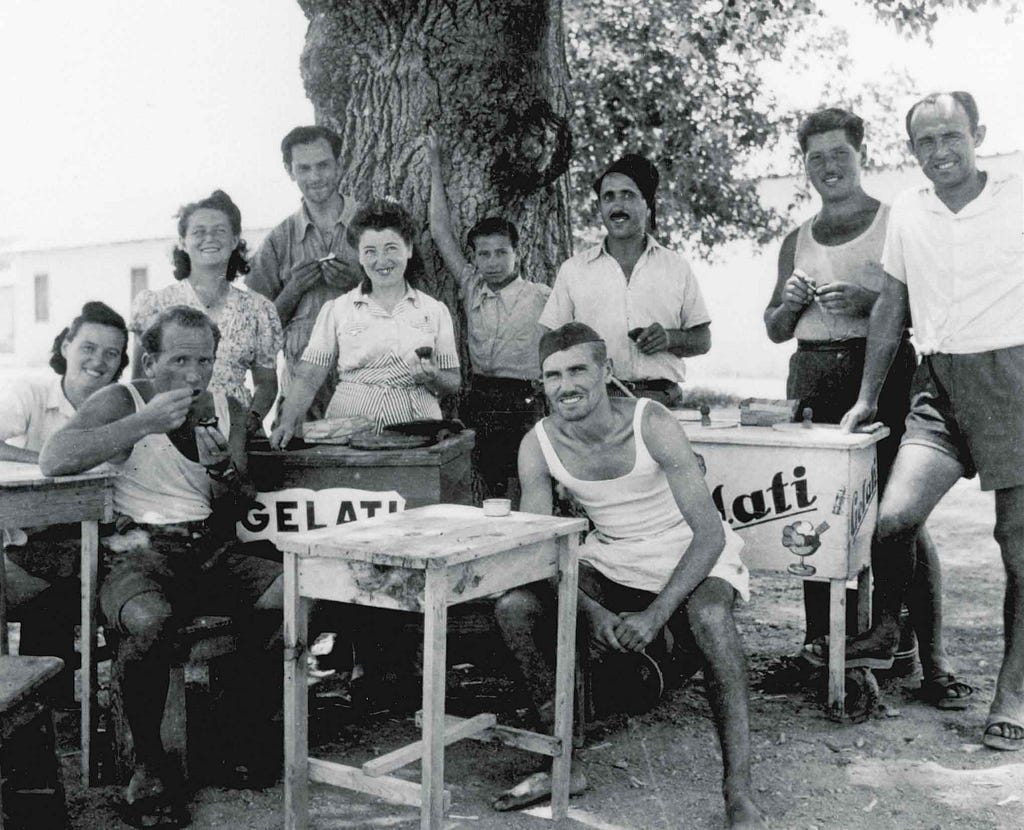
point(837, 648)
point(87, 645)
point(565, 671)
point(864, 599)
point(5, 645)
point(296, 701)
point(435, 635)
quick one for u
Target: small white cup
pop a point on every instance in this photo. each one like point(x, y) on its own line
point(497, 507)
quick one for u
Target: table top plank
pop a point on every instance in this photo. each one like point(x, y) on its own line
point(334, 455)
point(818, 436)
point(434, 536)
point(16, 475)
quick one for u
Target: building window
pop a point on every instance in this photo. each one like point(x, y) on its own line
point(42, 283)
point(7, 319)
point(140, 281)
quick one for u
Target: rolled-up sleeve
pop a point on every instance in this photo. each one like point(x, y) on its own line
point(559, 308)
point(446, 352)
point(322, 348)
point(693, 311)
point(265, 274)
point(15, 410)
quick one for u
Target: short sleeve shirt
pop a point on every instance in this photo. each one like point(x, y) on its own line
point(296, 240)
point(964, 271)
point(591, 288)
point(357, 335)
point(32, 410)
point(503, 333)
point(250, 332)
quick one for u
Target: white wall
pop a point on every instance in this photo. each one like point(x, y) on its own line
point(738, 285)
point(77, 275)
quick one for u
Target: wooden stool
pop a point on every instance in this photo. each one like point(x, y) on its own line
point(200, 643)
point(22, 704)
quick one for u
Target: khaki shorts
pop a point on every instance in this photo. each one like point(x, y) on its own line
point(971, 407)
point(195, 577)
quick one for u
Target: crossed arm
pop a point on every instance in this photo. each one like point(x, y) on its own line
point(669, 446)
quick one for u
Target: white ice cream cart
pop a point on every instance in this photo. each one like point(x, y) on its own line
point(804, 500)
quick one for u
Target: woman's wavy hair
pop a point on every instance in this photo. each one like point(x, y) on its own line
point(218, 200)
point(385, 215)
point(92, 312)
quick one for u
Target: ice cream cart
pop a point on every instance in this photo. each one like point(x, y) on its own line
point(804, 500)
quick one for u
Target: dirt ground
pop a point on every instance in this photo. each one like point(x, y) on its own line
point(909, 766)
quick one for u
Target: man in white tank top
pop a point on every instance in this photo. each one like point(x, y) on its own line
point(165, 560)
point(660, 555)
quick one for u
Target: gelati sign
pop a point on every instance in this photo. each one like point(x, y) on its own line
point(299, 509)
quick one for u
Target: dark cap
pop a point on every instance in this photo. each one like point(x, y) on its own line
point(643, 173)
point(569, 335)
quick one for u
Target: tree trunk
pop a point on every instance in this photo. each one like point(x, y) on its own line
point(489, 75)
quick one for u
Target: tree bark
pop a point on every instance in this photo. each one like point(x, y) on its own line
point(488, 75)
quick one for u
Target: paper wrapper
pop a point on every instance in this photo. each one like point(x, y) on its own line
point(334, 430)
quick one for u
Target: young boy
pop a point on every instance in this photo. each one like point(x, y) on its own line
point(502, 310)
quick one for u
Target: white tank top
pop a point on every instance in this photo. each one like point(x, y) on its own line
point(641, 536)
point(159, 485)
point(858, 261)
point(640, 503)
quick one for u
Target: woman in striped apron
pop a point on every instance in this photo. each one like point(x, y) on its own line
point(392, 346)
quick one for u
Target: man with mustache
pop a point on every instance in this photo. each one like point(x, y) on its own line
point(306, 261)
point(170, 555)
point(954, 261)
point(642, 298)
point(660, 557)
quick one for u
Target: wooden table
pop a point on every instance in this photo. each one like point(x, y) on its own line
point(777, 486)
point(425, 560)
point(438, 474)
point(29, 499)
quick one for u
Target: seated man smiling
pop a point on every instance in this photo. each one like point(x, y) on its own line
point(660, 555)
point(165, 561)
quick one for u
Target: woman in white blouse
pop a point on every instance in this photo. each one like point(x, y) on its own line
point(392, 346)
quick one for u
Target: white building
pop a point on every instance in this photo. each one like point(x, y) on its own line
point(739, 283)
point(43, 287)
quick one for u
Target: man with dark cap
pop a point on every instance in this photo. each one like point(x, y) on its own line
point(660, 556)
point(642, 298)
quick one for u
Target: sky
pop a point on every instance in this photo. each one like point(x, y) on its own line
point(116, 113)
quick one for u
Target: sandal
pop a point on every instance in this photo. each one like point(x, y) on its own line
point(1004, 724)
point(534, 788)
point(945, 692)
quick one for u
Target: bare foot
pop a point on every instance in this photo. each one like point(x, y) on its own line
point(534, 788)
point(742, 813)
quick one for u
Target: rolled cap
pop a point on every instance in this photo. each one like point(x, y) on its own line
point(565, 337)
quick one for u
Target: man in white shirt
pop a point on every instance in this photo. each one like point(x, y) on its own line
point(642, 298)
point(954, 260)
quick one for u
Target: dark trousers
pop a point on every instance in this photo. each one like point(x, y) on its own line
point(501, 411)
